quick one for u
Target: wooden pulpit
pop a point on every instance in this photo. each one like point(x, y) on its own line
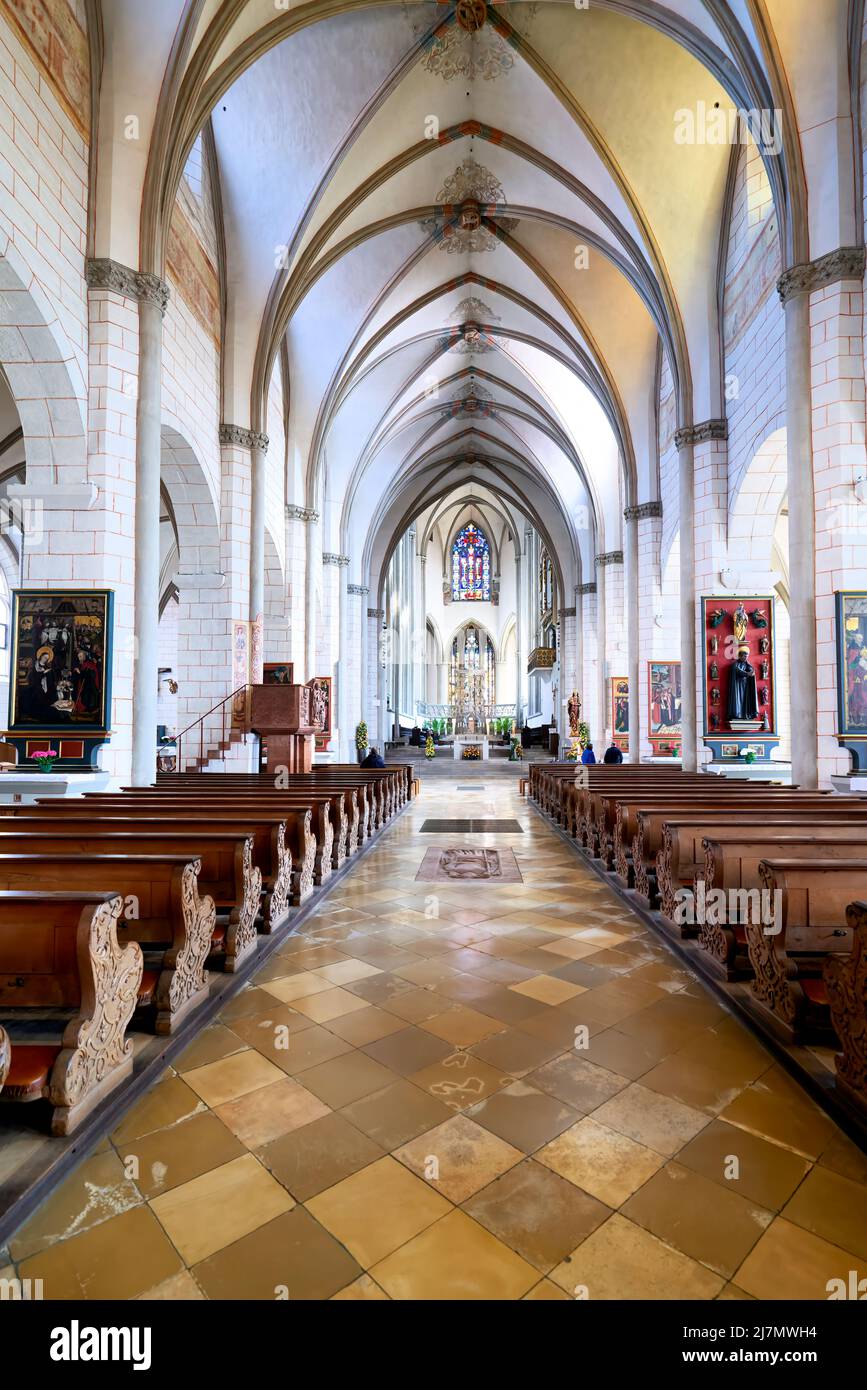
point(281, 715)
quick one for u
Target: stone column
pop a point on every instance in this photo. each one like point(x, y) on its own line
point(298, 520)
point(632, 638)
point(795, 293)
point(147, 531)
point(592, 685)
point(609, 578)
point(258, 452)
point(684, 440)
point(579, 647)
point(652, 643)
point(330, 639)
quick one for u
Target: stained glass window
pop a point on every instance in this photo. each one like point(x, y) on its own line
point(471, 566)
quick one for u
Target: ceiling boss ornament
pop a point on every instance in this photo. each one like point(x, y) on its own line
point(468, 199)
point(471, 42)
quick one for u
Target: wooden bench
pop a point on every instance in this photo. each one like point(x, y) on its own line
point(271, 854)
point(618, 817)
point(787, 956)
point(651, 818)
point(60, 950)
point(731, 867)
point(163, 912)
point(846, 987)
point(226, 873)
point(309, 829)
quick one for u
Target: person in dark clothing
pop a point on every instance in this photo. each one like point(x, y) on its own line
point(613, 755)
point(588, 756)
point(373, 759)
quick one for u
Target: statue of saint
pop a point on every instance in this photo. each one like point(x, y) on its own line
point(743, 697)
point(574, 708)
point(739, 621)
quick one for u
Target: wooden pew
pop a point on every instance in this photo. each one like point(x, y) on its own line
point(846, 987)
point(61, 950)
point(309, 829)
point(788, 989)
point(593, 829)
point(226, 870)
point(652, 816)
point(731, 866)
point(271, 855)
point(163, 912)
point(617, 816)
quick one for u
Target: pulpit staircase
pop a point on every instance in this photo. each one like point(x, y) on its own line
point(216, 742)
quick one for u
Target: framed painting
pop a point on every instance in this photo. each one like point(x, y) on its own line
point(730, 750)
point(852, 662)
point(278, 673)
point(320, 699)
point(61, 660)
point(620, 712)
point(665, 702)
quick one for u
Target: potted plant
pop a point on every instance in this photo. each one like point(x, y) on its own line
point(430, 747)
point(44, 758)
point(748, 755)
point(361, 740)
point(582, 734)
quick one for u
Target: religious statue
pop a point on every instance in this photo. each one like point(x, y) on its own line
point(714, 645)
point(714, 697)
point(758, 617)
point(766, 670)
point(739, 622)
point(765, 646)
point(574, 708)
point(714, 671)
point(743, 698)
point(717, 617)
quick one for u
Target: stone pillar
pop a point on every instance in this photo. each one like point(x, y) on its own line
point(298, 520)
point(593, 712)
point(684, 440)
point(610, 626)
point(520, 654)
point(357, 661)
point(258, 452)
point(652, 642)
point(330, 639)
point(147, 548)
point(794, 291)
point(312, 591)
point(632, 636)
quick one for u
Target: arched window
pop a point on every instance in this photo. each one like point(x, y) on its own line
point(471, 566)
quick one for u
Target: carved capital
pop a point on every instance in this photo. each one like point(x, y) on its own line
point(329, 557)
point(611, 557)
point(700, 434)
point(243, 438)
point(846, 263)
point(376, 613)
point(301, 514)
point(586, 588)
point(567, 612)
point(102, 273)
point(645, 511)
point(359, 589)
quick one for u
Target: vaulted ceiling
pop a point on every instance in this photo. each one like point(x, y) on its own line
point(474, 231)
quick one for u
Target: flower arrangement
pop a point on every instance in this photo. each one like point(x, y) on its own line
point(516, 752)
point(472, 753)
point(748, 755)
point(429, 747)
point(582, 734)
point(361, 740)
point(44, 758)
point(573, 752)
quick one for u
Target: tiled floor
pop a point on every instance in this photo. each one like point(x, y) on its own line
point(464, 1091)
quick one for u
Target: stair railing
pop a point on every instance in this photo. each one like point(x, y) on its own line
point(189, 734)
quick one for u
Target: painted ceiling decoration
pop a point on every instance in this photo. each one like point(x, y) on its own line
point(469, 43)
point(468, 195)
point(473, 310)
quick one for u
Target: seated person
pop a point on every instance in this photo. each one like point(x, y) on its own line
point(588, 756)
point(613, 755)
point(374, 759)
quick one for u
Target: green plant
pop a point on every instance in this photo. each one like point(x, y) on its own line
point(583, 734)
point(429, 747)
point(361, 742)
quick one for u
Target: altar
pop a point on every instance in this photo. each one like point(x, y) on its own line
point(479, 741)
